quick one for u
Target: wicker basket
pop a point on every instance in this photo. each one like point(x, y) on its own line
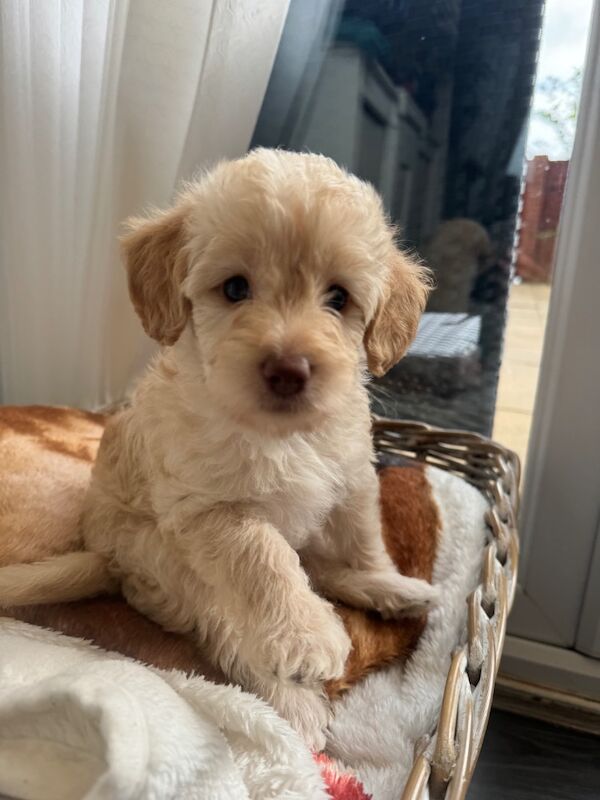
point(444, 761)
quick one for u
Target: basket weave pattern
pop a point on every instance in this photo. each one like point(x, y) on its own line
point(444, 760)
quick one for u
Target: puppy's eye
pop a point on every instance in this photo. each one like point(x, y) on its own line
point(236, 289)
point(337, 297)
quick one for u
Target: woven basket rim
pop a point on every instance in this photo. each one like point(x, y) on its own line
point(445, 758)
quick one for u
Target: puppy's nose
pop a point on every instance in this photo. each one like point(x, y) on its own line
point(286, 375)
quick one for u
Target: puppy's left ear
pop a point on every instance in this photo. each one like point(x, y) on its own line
point(396, 318)
point(155, 256)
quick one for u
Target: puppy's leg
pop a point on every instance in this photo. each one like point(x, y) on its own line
point(306, 708)
point(287, 631)
point(356, 568)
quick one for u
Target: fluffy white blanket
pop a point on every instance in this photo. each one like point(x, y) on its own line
point(76, 722)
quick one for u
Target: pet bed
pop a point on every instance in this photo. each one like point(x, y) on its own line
point(411, 728)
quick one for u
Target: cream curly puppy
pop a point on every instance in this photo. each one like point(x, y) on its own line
point(238, 491)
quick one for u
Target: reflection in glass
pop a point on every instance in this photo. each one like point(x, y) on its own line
point(430, 103)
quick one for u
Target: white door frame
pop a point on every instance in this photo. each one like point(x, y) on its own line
point(561, 507)
point(588, 633)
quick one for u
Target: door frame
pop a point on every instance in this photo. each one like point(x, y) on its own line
point(561, 500)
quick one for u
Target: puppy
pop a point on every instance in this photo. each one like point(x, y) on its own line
point(238, 491)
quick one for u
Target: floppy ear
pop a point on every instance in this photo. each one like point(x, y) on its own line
point(396, 318)
point(156, 261)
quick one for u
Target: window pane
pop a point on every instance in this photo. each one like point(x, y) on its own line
point(430, 102)
point(548, 150)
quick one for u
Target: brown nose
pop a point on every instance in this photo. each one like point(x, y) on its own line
point(286, 375)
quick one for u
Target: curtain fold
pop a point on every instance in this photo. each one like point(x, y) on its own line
point(104, 106)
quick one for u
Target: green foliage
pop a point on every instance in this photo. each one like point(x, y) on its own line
point(558, 100)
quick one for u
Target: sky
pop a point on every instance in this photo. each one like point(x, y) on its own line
point(562, 50)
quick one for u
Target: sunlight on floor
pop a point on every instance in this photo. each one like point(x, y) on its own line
point(527, 312)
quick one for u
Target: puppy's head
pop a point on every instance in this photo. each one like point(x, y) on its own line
point(287, 273)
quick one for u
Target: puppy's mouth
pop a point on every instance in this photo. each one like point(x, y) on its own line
point(282, 416)
point(296, 404)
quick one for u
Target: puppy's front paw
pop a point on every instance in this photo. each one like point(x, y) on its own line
point(307, 711)
point(312, 649)
point(395, 595)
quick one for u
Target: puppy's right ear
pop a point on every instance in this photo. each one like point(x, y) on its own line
point(396, 319)
point(155, 257)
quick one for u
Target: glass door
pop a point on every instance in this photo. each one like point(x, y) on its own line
point(430, 103)
point(558, 602)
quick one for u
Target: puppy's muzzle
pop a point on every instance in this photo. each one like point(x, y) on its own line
point(286, 376)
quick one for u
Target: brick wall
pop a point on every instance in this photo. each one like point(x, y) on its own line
point(542, 201)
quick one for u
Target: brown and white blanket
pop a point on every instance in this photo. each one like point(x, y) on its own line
point(391, 691)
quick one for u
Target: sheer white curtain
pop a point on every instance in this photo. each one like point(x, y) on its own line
point(104, 106)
